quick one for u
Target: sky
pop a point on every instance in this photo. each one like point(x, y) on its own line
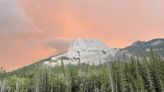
point(31, 30)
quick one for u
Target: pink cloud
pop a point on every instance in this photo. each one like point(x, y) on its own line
point(116, 22)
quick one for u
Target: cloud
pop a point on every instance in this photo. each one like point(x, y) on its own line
point(60, 44)
point(12, 17)
point(115, 22)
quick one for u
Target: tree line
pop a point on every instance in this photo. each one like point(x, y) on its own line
point(131, 75)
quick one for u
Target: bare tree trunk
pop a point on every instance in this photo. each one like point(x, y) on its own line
point(149, 78)
point(111, 79)
point(17, 86)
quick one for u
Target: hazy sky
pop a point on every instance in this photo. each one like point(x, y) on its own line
point(35, 29)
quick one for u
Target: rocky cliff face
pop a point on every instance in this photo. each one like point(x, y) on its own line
point(93, 51)
point(87, 45)
point(89, 51)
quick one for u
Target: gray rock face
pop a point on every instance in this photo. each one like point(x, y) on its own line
point(142, 48)
point(90, 51)
point(87, 45)
point(93, 51)
point(138, 43)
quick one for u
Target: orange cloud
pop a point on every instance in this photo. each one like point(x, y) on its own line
point(116, 22)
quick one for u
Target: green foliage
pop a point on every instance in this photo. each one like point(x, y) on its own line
point(21, 83)
point(134, 75)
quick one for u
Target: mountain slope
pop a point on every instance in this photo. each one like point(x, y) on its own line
point(142, 48)
point(92, 51)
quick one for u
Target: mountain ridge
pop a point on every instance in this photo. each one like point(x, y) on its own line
point(143, 49)
point(106, 54)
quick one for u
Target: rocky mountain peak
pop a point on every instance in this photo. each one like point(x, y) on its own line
point(93, 51)
point(155, 42)
point(82, 44)
point(138, 43)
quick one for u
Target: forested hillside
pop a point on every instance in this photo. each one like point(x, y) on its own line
point(133, 75)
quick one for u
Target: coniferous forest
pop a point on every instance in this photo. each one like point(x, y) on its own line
point(132, 75)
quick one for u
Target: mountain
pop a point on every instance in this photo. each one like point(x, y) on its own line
point(88, 51)
point(93, 51)
point(51, 74)
point(87, 44)
point(142, 48)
